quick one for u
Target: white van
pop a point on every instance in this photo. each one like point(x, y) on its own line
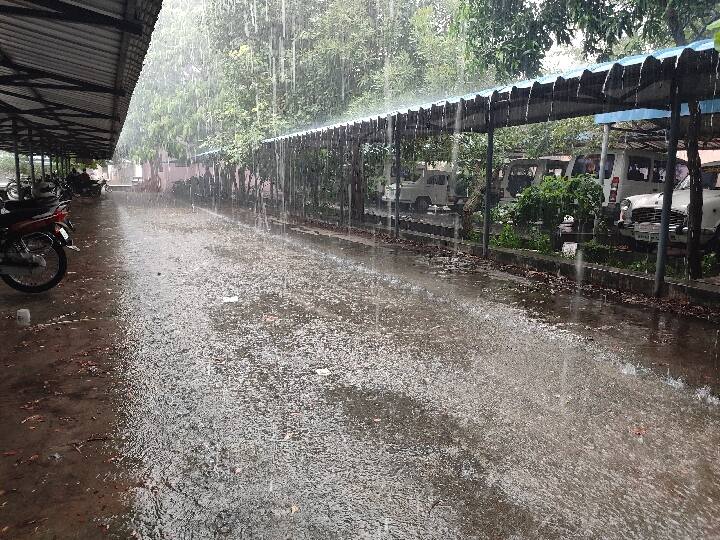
point(428, 184)
point(521, 173)
point(627, 172)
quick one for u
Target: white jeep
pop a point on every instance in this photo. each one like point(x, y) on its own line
point(640, 214)
point(428, 184)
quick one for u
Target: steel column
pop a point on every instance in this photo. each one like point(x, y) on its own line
point(488, 181)
point(668, 189)
point(603, 153)
point(17, 155)
point(397, 141)
point(32, 161)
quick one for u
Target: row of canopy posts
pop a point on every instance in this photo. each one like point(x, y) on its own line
point(668, 186)
point(62, 162)
point(396, 131)
point(662, 79)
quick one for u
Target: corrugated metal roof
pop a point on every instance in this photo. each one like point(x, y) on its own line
point(709, 106)
point(628, 83)
point(67, 71)
point(647, 128)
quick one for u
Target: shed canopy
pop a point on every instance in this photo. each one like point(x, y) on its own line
point(628, 83)
point(68, 70)
point(647, 128)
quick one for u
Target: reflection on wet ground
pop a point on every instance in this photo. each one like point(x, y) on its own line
point(287, 385)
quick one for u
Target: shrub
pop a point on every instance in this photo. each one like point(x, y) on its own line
point(595, 252)
point(507, 238)
point(554, 198)
point(475, 236)
point(541, 242)
point(710, 264)
point(503, 213)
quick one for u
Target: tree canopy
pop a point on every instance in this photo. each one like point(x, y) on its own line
point(224, 75)
point(514, 36)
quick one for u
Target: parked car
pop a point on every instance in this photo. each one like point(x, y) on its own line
point(627, 172)
point(640, 214)
point(521, 173)
point(426, 185)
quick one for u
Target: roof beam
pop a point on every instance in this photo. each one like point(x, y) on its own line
point(78, 84)
point(69, 127)
point(56, 86)
point(42, 112)
point(62, 11)
point(56, 105)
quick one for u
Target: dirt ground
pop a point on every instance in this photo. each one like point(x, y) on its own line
point(57, 394)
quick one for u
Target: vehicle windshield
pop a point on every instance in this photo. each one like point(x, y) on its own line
point(590, 164)
point(710, 180)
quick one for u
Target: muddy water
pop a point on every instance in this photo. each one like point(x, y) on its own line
point(291, 385)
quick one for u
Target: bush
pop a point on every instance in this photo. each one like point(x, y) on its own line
point(503, 213)
point(595, 252)
point(541, 242)
point(554, 198)
point(507, 238)
point(710, 265)
point(475, 236)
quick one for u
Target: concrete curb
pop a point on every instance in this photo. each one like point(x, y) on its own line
point(591, 274)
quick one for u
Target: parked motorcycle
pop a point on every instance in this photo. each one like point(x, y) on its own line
point(94, 189)
point(14, 191)
point(33, 237)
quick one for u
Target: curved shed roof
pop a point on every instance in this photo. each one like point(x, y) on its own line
point(68, 70)
point(628, 83)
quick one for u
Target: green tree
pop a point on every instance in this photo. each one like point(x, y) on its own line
point(513, 36)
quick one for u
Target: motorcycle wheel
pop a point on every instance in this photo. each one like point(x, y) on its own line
point(13, 193)
point(55, 269)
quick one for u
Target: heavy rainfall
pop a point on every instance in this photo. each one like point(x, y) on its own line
point(359, 269)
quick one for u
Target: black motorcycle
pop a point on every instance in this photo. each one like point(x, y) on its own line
point(33, 235)
point(93, 189)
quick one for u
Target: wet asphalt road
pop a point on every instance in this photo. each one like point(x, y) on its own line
point(360, 391)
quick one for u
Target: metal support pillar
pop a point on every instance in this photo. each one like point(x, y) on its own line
point(17, 155)
point(342, 191)
point(488, 181)
point(603, 153)
point(42, 164)
point(32, 162)
point(398, 170)
point(667, 189)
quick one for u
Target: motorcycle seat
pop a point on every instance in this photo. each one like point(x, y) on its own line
point(13, 217)
point(30, 204)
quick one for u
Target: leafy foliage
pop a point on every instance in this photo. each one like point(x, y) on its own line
point(554, 198)
point(513, 36)
point(540, 241)
point(507, 238)
point(596, 252)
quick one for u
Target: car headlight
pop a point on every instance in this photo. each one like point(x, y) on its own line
point(625, 210)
